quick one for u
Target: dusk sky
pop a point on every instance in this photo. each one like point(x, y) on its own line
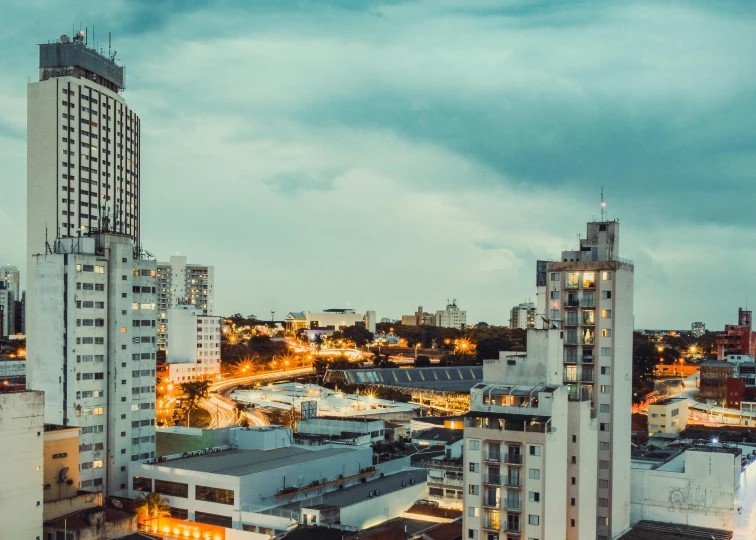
point(385, 155)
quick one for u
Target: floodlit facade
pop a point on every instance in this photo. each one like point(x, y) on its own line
point(83, 141)
point(21, 433)
point(335, 319)
point(91, 349)
point(668, 416)
point(589, 294)
point(530, 451)
point(451, 317)
point(193, 345)
point(180, 283)
point(698, 329)
point(522, 316)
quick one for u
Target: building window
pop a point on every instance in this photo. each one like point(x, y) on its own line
point(604, 407)
point(473, 489)
point(534, 520)
point(473, 511)
point(574, 459)
point(572, 523)
point(603, 446)
point(555, 276)
point(603, 464)
point(574, 438)
point(604, 426)
point(555, 295)
point(172, 489)
point(606, 332)
point(216, 495)
point(603, 502)
point(603, 484)
point(472, 534)
point(474, 444)
point(573, 480)
point(573, 279)
point(572, 501)
point(589, 280)
point(605, 388)
point(606, 351)
point(606, 313)
point(474, 467)
point(535, 450)
point(534, 496)
point(606, 294)
point(606, 276)
point(534, 474)
point(97, 464)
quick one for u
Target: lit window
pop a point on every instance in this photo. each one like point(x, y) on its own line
point(589, 279)
point(97, 464)
point(606, 313)
point(606, 276)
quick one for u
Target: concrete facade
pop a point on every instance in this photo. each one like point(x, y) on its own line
point(91, 349)
point(668, 416)
point(589, 294)
point(523, 316)
point(61, 455)
point(21, 440)
point(180, 283)
point(193, 343)
point(336, 319)
point(451, 317)
point(530, 451)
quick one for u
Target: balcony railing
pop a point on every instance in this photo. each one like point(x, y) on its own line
point(571, 302)
point(493, 458)
point(492, 502)
point(588, 302)
point(513, 506)
point(512, 527)
point(492, 524)
point(515, 459)
point(571, 321)
point(587, 358)
point(512, 482)
point(493, 479)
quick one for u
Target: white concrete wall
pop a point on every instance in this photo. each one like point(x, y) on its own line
point(21, 445)
point(585, 449)
point(701, 496)
point(182, 334)
point(664, 421)
point(376, 510)
point(260, 438)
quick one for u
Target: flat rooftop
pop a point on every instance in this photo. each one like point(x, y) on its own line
point(247, 462)
point(359, 492)
point(444, 379)
point(669, 401)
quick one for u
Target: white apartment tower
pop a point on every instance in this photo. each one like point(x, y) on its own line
point(522, 316)
point(10, 293)
point(180, 283)
point(194, 341)
point(91, 348)
point(82, 147)
point(589, 294)
point(451, 317)
point(530, 451)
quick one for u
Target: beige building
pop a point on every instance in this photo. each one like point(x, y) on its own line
point(668, 415)
point(589, 294)
point(523, 316)
point(530, 451)
point(61, 454)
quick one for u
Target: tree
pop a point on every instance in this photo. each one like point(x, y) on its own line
point(422, 361)
point(359, 334)
point(489, 347)
point(194, 392)
point(152, 506)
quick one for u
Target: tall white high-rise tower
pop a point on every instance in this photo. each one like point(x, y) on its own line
point(589, 294)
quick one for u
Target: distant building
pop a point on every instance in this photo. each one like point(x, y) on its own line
point(336, 319)
point(193, 345)
point(419, 318)
point(295, 320)
point(523, 316)
point(738, 338)
point(668, 415)
point(182, 283)
point(698, 329)
point(6, 311)
point(11, 302)
point(21, 428)
point(451, 317)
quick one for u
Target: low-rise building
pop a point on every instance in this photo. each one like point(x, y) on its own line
point(449, 442)
point(193, 344)
point(340, 430)
point(668, 415)
point(445, 480)
point(703, 485)
point(21, 441)
point(294, 321)
point(419, 318)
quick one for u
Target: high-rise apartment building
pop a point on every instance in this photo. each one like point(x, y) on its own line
point(451, 317)
point(589, 294)
point(530, 450)
point(698, 329)
point(523, 316)
point(180, 283)
point(194, 341)
point(91, 347)
point(82, 147)
point(11, 301)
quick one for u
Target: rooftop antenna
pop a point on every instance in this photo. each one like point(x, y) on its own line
point(603, 204)
point(109, 55)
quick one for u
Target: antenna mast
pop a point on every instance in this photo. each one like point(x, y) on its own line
point(603, 204)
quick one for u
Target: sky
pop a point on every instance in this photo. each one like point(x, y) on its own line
point(382, 155)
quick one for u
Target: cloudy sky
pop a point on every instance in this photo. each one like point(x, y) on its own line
point(385, 154)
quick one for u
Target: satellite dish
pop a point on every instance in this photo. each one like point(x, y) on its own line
point(65, 39)
point(63, 474)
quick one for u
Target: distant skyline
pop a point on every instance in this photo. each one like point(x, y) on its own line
point(385, 155)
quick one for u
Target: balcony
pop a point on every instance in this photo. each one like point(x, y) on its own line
point(513, 505)
point(491, 502)
point(515, 459)
point(494, 479)
point(571, 302)
point(511, 482)
point(588, 302)
point(492, 524)
point(587, 358)
point(512, 528)
point(492, 458)
point(571, 321)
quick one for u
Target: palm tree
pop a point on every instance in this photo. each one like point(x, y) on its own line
point(152, 506)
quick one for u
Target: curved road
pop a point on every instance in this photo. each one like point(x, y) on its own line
point(223, 409)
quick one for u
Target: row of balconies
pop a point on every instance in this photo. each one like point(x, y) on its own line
point(514, 459)
point(511, 505)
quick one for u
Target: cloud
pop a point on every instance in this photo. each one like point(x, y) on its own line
point(389, 154)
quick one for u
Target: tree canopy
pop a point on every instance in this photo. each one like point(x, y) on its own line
point(194, 392)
